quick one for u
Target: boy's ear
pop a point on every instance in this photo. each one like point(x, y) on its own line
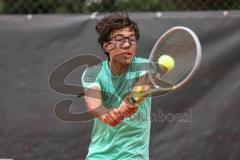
point(108, 46)
point(105, 46)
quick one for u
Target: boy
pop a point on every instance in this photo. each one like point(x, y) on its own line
point(108, 88)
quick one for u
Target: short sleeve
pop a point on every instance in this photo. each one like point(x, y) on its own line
point(90, 77)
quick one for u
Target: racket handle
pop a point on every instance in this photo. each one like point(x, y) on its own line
point(132, 100)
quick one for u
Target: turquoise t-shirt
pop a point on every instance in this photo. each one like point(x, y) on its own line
point(129, 140)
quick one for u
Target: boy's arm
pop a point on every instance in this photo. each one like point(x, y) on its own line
point(112, 117)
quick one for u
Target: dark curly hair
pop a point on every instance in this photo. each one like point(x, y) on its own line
point(113, 22)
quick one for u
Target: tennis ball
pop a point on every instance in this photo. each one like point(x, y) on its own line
point(167, 62)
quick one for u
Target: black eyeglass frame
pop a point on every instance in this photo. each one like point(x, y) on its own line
point(124, 39)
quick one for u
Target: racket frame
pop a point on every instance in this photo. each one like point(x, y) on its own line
point(197, 62)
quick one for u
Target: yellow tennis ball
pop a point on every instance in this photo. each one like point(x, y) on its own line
point(167, 62)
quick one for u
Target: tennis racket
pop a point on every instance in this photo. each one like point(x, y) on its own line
point(183, 46)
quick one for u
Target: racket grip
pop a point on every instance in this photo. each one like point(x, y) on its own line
point(132, 100)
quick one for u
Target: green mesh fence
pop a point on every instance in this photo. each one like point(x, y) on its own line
point(88, 6)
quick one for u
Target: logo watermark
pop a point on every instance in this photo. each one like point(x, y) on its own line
point(163, 117)
point(62, 108)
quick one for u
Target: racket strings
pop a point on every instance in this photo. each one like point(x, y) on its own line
point(181, 47)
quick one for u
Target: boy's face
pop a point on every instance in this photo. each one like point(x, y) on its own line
point(122, 45)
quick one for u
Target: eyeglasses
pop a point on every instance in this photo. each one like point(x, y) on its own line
point(121, 40)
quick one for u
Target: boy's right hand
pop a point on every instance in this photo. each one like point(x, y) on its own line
point(116, 115)
point(113, 117)
point(128, 109)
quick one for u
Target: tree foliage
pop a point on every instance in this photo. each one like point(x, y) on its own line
point(88, 6)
